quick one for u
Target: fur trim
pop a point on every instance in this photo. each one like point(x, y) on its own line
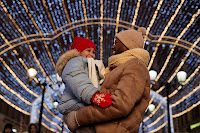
point(63, 60)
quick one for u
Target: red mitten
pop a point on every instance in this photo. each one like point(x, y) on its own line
point(102, 100)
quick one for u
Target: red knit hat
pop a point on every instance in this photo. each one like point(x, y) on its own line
point(81, 44)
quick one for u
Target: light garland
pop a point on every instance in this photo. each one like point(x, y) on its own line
point(117, 18)
point(101, 32)
point(67, 16)
point(45, 106)
point(85, 17)
point(14, 106)
point(156, 109)
point(52, 23)
point(50, 121)
point(136, 13)
point(160, 38)
point(60, 33)
point(32, 51)
point(40, 32)
point(187, 110)
point(186, 96)
point(155, 122)
point(51, 129)
point(158, 128)
point(15, 76)
point(184, 59)
point(15, 93)
point(153, 19)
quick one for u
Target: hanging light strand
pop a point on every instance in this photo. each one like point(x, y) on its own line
point(136, 14)
point(158, 128)
point(186, 96)
point(101, 31)
point(155, 122)
point(52, 23)
point(117, 18)
point(52, 122)
point(184, 59)
point(15, 93)
point(187, 110)
point(177, 40)
point(85, 17)
point(160, 38)
point(68, 17)
point(30, 47)
point(49, 128)
point(153, 19)
point(14, 106)
point(156, 109)
point(40, 32)
point(17, 78)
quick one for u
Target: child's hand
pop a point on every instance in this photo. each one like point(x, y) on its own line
point(102, 100)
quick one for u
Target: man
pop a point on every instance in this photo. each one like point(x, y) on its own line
point(128, 82)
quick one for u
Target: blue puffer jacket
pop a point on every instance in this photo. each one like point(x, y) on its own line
point(78, 87)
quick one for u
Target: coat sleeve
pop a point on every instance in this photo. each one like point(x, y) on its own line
point(129, 91)
point(77, 80)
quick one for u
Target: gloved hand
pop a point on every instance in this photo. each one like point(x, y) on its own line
point(71, 121)
point(102, 100)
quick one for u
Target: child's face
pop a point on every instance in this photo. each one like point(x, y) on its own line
point(88, 53)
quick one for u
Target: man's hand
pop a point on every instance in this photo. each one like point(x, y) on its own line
point(71, 121)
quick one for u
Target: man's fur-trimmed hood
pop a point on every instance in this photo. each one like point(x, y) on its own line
point(63, 60)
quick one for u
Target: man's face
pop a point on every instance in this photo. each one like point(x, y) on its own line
point(119, 47)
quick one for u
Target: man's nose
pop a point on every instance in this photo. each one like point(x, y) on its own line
point(113, 47)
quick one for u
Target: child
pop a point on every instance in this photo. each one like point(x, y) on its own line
point(82, 80)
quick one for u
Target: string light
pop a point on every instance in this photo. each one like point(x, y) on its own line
point(52, 23)
point(92, 23)
point(14, 106)
point(186, 96)
point(158, 128)
point(15, 76)
point(40, 32)
point(136, 13)
point(51, 122)
point(155, 122)
point(67, 16)
point(15, 93)
point(117, 18)
point(45, 106)
point(101, 32)
point(51, 129)
point(194, 45)
point(160, 38)
point(32, 51)
point(85, 17)
point(187, 110)
point(156, 109)
point(153, 19)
